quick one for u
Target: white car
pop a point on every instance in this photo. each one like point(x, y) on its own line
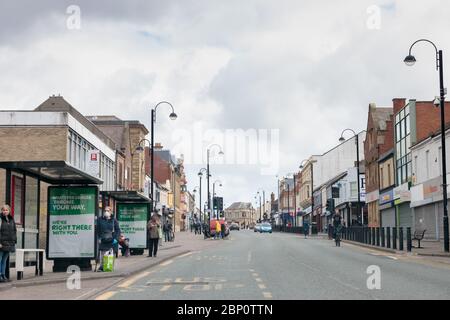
point(257, 227)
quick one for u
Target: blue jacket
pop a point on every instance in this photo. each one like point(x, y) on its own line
point(105, 229)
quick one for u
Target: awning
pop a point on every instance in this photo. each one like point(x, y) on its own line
point(52, 172)
point(126, 196)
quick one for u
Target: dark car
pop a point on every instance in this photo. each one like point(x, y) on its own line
point(235, 226)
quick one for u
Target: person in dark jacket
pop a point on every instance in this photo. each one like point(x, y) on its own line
point(108, 232)
point(8, 239)
point(153, 236)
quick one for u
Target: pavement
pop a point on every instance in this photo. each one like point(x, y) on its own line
point(255, 266)
point(124, 266)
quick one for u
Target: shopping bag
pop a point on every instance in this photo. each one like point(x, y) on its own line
point(108, 261)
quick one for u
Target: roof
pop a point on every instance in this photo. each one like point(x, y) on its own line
point(240, 206)
point(58, 103)
point(381, 115)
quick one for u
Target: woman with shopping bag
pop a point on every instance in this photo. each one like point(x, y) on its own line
point(108, 232)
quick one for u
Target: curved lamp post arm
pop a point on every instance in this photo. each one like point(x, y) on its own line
point(172, 116)
point(348, 129)
point(410, 58)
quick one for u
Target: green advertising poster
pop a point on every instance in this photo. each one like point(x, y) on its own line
point(71, 222)
point(132, 218)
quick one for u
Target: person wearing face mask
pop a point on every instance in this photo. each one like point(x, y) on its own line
point(108, 232)
point(8, 239)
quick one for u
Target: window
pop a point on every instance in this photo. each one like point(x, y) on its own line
point(389, 174)
point(353, 189)
point(403, 144)
point(381, 178)
point(17, 198)
point(427, 163)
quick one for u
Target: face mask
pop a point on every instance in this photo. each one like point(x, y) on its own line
point(107, 214)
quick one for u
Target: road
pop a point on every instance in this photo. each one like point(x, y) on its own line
point(284, 266)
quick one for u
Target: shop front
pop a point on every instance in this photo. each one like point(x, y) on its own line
point(387, 208)
point(427, 208)
point(402, 196)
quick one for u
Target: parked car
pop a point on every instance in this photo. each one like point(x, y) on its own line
point(234, 226)
point(257, 227)
point(265, 227)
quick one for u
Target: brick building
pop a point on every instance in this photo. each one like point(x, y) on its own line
point(379, 131)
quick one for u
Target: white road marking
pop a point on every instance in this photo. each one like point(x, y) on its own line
point(258, 279)
point(254, 274)
point(165, 288)
point(249, 256)
point(166, 263)
point(185, 255)
point(267, 295)
point(262, 286)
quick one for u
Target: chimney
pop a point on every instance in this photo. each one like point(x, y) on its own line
point(398, 103)
point(158, 146)
point(372, 106)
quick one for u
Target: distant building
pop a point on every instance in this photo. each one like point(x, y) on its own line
point(242, 213)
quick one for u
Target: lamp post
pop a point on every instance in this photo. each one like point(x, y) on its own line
point(410, 60)
point(172, 116)
point(216, 214)
point(342, 139)
point(278, 186)
point(263, 205)
point(200, 175)
point(208, 175)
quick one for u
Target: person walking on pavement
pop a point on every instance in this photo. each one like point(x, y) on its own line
point(337, 229)
point(8, 239)
point(153, 236)
point(108, 231)
point(306, 228)
point(218, 230)
point(222, 230)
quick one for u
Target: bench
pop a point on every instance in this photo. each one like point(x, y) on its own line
point(418, 235)
point(20, 256)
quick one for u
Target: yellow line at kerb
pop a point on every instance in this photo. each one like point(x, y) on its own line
point(106, 295)
point(166, 263)
point(267, 295)
point(129, 282)
point(186, 254)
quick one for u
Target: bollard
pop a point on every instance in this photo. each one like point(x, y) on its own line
point(367, 235)
point(400, 238)
point(388, 237)
point(394, 238)
point(378, 236)
point(373, 237)
point(383, 240)
point(408, 239)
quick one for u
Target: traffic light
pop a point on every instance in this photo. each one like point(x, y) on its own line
point(218, 203)
point(330, 205)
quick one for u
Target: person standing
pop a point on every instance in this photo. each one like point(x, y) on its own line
point(153, 235)
point(306, 228)
point(108, 231)
point(337, 228)
point(222, 230)
point(218, 230)
point(8, 239)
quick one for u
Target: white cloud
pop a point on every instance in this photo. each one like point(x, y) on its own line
point(308, 68)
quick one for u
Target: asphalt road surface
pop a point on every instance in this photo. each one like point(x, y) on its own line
point(285, 266)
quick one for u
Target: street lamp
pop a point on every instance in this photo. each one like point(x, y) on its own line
point(208, 174)
point(410, 60)
point(214, 194)
point(342, 139)
point(200, 175)
point(172, 116)
point(264, 203)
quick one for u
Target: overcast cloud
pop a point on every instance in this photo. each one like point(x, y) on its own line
point(306, 68)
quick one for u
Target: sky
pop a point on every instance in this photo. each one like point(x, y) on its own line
point(270, 82)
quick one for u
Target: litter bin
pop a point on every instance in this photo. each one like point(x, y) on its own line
point(314, 228)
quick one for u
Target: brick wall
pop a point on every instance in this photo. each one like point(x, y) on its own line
point(33, 144)
point(428, 119)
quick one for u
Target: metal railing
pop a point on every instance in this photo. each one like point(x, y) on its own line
point(386, 237)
